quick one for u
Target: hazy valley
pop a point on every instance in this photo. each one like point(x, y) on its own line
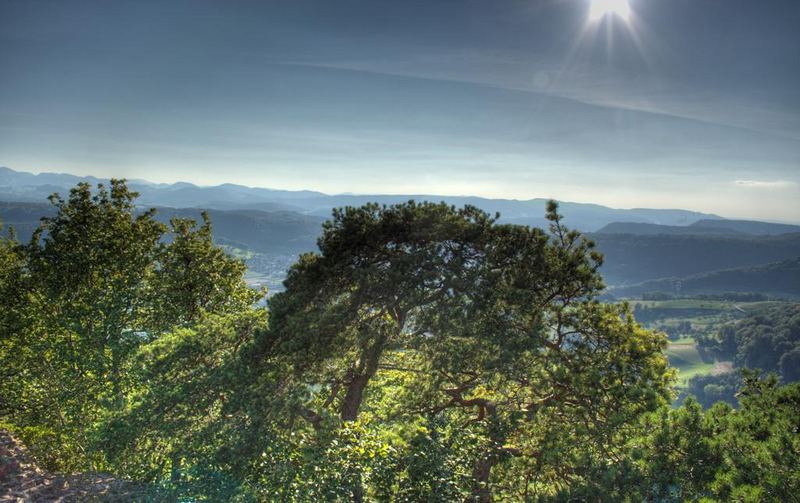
point(646, 250)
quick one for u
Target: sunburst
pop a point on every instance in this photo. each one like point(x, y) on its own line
point(602, 8)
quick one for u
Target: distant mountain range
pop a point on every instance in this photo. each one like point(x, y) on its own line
point(16, 186)
point(266, 232)
point(645, 249)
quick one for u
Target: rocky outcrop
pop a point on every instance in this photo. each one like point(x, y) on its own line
point(22, 481)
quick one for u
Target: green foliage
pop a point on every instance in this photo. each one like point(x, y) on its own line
point(723, 454)
point(11, 264)
point(80, 291)
point(431, 467)
point(183, 429)
point(710, 389)
point(96, 282)
point(425, 353)
point(680, 459)
point(192, 277)
point(768, 340)
point(759, 443)
point(494, 326)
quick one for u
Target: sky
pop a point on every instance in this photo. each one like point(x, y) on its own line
point(689, 104)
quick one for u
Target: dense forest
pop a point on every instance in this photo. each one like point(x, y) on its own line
point(424, 353)
point(640, 258)
point(781, 279)
point(768, 341)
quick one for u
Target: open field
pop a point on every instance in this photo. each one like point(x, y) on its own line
point(684, 319)
point(684, 304)
point(706, 305)
point(686, 359)
point(706, 316)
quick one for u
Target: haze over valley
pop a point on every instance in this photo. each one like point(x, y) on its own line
point(645, 249)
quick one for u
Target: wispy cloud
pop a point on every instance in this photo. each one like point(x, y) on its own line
point(582, 81)
point(766, 184)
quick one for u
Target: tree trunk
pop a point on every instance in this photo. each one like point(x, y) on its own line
point(349, 412)
point(358, 493)
point(353, 398)
point(481, 473)
point(116, 377)
point(368, 366)
point(175, 469)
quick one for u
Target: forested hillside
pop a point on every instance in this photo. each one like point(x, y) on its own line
point(270, 240)
point(778, 278)
point(702, 227)
point(635, 259)
point(422, 353)
point(267, 232)
point(767, 340)
point(747, 226)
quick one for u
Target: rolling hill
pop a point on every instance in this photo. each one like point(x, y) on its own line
point(633, 259)
point(777, 278)
point(266, 232)
point(702, 227)
point(639, 245)
point(747, 226)
point(646, 229)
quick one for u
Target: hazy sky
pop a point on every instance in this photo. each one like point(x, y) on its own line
point(689, 103)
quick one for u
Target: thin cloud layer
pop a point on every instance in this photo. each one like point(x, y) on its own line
point(767, 184)
point(516, 99)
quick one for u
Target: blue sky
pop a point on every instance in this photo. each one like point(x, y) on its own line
point(689, 103)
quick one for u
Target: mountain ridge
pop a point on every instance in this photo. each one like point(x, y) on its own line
point(776, 278)
point(702, 227)
point(19, 186)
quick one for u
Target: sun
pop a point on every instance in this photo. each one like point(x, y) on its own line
point(600, 8)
